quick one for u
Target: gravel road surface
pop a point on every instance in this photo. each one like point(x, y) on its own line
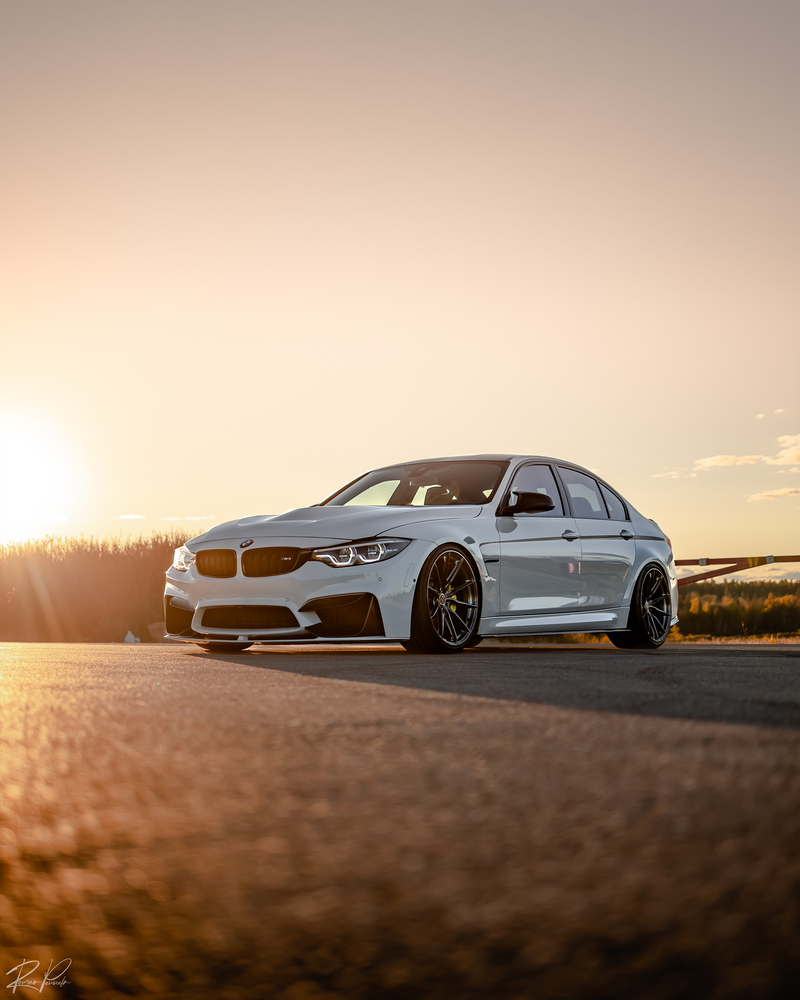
point(551, 822)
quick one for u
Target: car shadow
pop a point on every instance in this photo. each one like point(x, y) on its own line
point(748, 685)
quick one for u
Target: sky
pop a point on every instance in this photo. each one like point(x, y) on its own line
point(251, 250)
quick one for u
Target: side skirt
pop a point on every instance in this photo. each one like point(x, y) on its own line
point(608, 620)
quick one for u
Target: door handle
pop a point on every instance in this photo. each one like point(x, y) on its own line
point(626, 534)
point(570, 535)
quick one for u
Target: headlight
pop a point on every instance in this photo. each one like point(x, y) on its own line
point(184, 558)
point(361, 553)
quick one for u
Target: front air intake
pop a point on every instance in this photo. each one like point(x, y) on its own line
point(269, 561)
point(243, 617)
point(347, 615)
point(220, 563)
point(178, 620)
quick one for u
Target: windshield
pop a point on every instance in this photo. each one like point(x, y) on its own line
point(423, 484)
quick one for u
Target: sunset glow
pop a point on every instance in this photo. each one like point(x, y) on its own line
point(254, 250)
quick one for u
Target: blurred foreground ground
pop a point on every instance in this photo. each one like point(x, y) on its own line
point(512, 822)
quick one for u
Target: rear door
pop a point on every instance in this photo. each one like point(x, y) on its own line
point(539, 553)
point(608, 549)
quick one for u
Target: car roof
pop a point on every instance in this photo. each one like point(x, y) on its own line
point(479, 458)
point(495, 458)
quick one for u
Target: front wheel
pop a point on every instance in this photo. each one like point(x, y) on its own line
point(650, 613)
point(447, 603)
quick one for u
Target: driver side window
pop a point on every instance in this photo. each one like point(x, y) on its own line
point(538, 479)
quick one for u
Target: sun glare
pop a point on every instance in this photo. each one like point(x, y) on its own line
point(38, 484)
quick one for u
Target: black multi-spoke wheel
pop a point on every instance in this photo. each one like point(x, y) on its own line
point(447, 603)
point(650, 614)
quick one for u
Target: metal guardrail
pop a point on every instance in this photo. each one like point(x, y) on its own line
point(732, 565)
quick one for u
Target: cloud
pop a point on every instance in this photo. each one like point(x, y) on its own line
point(787, 491)
point(715, 460)
point(788, 454)
point(192, 517)
point(760, 416)
point(770, 573)
point(781, 410)
point(132, 517)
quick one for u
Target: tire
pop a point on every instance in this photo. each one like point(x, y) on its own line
point(224, 647)
point(650, 613)
point(447, 603)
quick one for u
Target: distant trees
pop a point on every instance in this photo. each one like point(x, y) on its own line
point(730, 609)
point(83, 589)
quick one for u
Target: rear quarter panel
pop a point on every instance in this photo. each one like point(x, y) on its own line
point(652, 547)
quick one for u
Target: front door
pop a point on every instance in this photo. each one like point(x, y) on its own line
point(540, 554)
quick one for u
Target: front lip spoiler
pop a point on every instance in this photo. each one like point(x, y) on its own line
point(372, 640)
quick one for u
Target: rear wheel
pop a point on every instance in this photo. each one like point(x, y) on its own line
point(447, 604)
point(224, 647)
point(650, 614)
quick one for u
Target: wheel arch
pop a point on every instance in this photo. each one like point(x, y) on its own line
point(475, 561)
point(431, 636)
point(637, 633)
point(667, 566)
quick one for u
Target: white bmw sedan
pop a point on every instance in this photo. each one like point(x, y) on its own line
point(437, 555)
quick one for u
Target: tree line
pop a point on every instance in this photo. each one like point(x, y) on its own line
point(96, 590)
point(84, 589)
point(731, 609)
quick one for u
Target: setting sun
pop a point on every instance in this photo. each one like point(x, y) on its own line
point(39, 483)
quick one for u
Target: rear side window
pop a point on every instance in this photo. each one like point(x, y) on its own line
point(616, 508)
point(538, 479)
point(584, 494)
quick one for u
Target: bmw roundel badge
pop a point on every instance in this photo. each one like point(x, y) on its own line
point(243, 545)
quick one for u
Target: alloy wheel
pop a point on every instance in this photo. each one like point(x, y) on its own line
point(452, 597)
point(655, 606)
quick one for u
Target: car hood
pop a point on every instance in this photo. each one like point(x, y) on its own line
point(334, 523)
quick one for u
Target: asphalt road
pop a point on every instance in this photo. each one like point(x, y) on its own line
point(511, 822)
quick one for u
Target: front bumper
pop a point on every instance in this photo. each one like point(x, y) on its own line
point(391, 583)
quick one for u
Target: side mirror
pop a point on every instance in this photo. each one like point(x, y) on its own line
point(530, 503)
